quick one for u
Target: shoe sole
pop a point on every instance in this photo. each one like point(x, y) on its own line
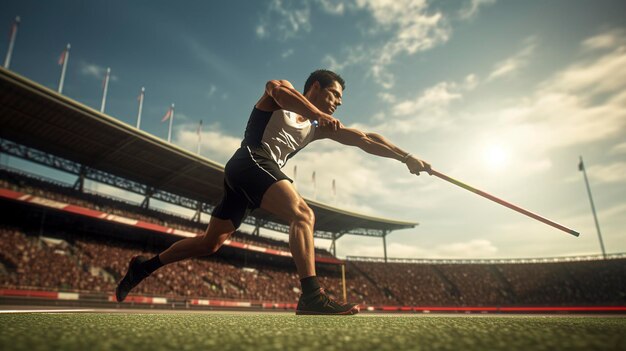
point(130, 264)
point(354, 310)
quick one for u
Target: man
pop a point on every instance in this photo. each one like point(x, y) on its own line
point(282, 122)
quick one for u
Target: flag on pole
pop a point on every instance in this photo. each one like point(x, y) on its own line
point(14, 27)
point(167, 115)
point(63, 62)
point(62, 57)
point(581, 166)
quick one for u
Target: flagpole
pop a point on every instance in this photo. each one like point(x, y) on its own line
point(169, 133)
point(143, 91)
point(314, 187)
point(199, 136)
point(106, 88)
point(581, 167)
point(7, 60)
point(66, 57)
point(295, 176)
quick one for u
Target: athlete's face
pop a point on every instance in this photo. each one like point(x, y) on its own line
point(328, 99)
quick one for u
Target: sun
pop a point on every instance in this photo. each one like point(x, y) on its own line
point(496, 157)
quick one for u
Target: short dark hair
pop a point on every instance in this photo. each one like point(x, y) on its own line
point(325, 78)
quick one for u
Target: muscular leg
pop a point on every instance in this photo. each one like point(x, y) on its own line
point(284, 201)
point(206, 244)
point(140, 268)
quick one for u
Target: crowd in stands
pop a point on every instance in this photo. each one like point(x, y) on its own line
point(90, 263)
point(530, 284)
point(86, 265)
point(94, 264)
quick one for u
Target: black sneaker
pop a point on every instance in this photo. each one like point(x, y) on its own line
point(134, 276)
point(318, 303)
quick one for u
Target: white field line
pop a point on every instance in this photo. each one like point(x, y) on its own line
point(47, 311)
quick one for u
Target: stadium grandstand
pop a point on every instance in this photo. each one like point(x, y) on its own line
point(63, 244)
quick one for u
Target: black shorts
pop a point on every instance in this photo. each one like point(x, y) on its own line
point(247, 176)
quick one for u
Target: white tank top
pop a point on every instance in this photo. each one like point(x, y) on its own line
point(284, 135)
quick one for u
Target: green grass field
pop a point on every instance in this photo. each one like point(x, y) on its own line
point(270, 331)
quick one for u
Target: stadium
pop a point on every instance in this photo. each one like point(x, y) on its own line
point(63, 248)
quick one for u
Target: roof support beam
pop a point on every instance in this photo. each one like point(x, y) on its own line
point(146, 201)
point(80, 182)
point(333, 245)
point(196, 216)
point(258, 223)
point(385, 244)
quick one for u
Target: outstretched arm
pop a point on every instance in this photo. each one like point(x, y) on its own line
point(375, 144)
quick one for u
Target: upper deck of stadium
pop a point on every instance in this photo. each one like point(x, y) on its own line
point(45, 127)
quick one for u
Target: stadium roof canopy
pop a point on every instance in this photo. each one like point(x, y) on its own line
point(92, 144)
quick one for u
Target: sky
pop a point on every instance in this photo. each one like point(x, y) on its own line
point(503, 95)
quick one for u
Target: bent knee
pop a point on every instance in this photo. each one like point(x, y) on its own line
point(210, 244)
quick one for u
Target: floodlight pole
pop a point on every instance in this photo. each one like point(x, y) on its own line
point(581, 167)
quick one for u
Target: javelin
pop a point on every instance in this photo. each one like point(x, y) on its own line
point(504, 203)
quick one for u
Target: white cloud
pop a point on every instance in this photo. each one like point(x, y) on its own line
point(215, 144)
point(474, 248)
point(514, 63)
point(413, 27)
point(425, 112)
point(438, 96)
point(95, 71)
point(287, 53)
point(409, 27)
point(334, 7)
point(351, 55)
point(387, 97)
point(284, 19)
point(356, 176)
point(610, 173)
point(605, 74)
point(180, 117)
point(211, 91)
point(585, 102)
point(261, 32)
point(471, 8)
point(471, 82)
point(477, 248)
point(619, 149)
point(606, 40)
